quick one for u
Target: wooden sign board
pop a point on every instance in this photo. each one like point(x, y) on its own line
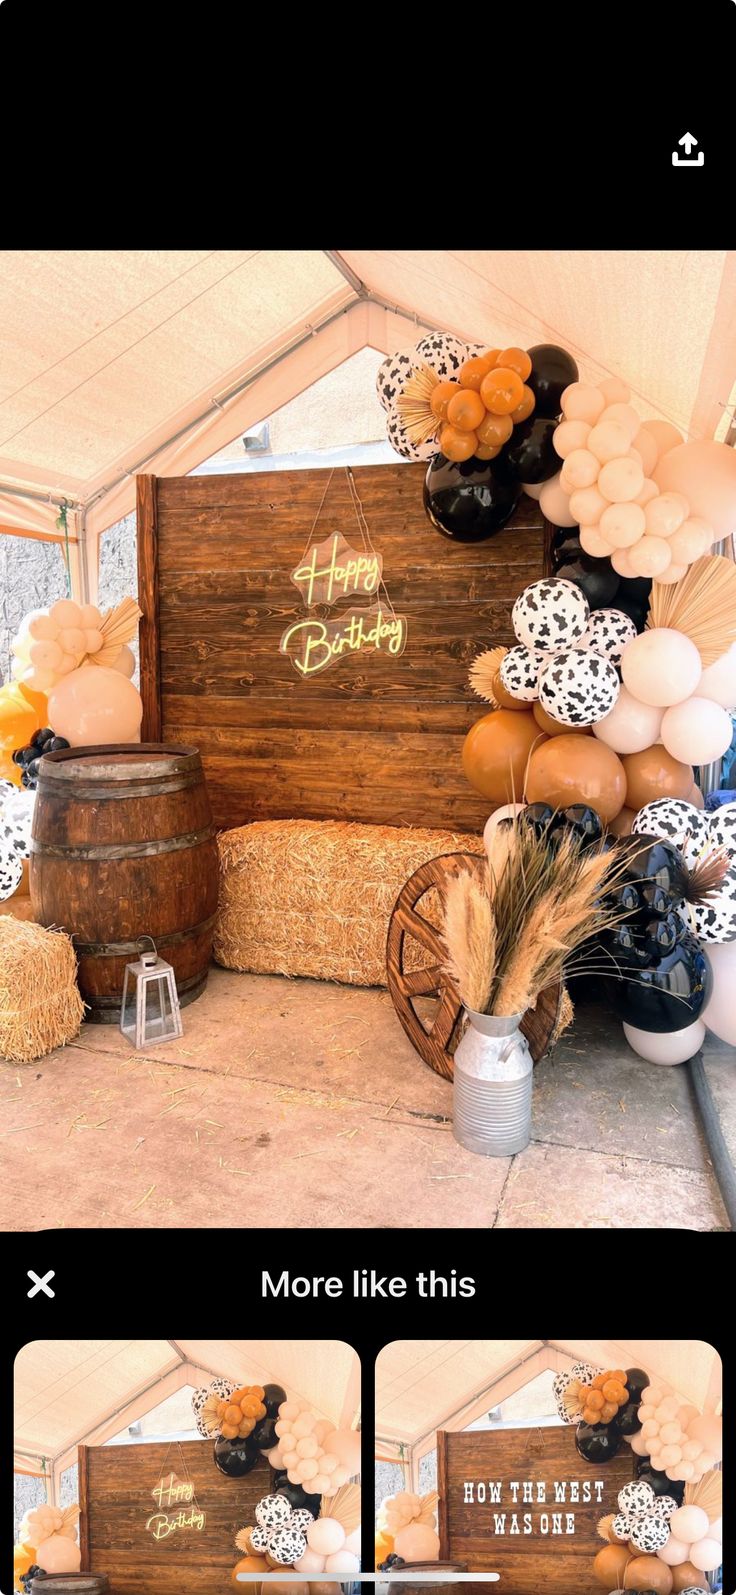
point(377, 736)
point(544, 1543)
point(115, 1495)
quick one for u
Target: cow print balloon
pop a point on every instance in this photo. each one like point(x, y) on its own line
point(550, 614)
point(636, 1497)
point(583, 1372)
point(723, 829)
point(650, 1532)
point(715, 919)
point(444, 353)
point(287, 1546)
point(520, 671)
point(609, 630)
point(678, 822)
point(273, 1512)
point(392, 374)
point(11, 871)
point(403, 445)
point(578, 687)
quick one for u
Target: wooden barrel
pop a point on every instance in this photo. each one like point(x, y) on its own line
point(71, 1584)
point(123, 846)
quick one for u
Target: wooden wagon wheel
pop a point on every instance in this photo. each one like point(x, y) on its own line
point(437, 1040)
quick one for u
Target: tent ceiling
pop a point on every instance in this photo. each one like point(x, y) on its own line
point(112, 360)
point(66, 1389)
point(423, 1385)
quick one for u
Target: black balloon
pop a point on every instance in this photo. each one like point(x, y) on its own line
point(660, 1483)
point(582, 821)
point(663, 994)
point(597, 1442)
point(264, 1435)
point(657, 871)
point(553, 369)
point(530, 451)
point(627, 1417)
point(539, 817)
point(235, 1457)
point(595, 577)
point(470, 500)
point(636, 1381)
point(273, 1395)
point(296, 1496)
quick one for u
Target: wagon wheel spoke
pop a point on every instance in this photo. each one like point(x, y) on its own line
point(446, 1017)
point(414, 923)
point(421, 982)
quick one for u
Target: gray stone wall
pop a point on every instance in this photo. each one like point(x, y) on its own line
point(32, 576)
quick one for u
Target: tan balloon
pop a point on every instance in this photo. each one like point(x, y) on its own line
point(572, 769)
point(652, 774)
point(622, 524)
point(555, 728)
point(623, 822)
point(686, 1576)
point(691, 540)
point(621, 563)
point(496, 753)
point(648, 1573)
point(610, 1565)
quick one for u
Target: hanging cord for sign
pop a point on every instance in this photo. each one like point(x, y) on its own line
point(61, 526)
point(366, 536)
point(319, 512)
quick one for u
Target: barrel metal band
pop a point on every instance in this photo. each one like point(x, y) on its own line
point(106, 850)
point(122, 949)
point(154, 787)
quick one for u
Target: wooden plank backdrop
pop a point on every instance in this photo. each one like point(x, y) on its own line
point(115, 1484)
point(532, 1562)
point(371, 738)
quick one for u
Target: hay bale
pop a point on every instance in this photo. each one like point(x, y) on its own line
point(314, 897)
point(40, 1005)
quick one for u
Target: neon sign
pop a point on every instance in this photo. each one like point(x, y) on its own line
point(171, 1492)
point(335, 570)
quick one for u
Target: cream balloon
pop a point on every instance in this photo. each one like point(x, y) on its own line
point(587, 505)
point(326, 1536)
point(533, 489)
point(59, 1555)
point(624, 415)
point(631, 726)
point(647, 447)
point(673, 573)
point(706, 1555)
point(651, 556)
point(95, 705)
point(647, 492)
point(718, 681)
point(66, 613)
point(705, 472)
point(708, 1429)
point(417, 1543)
point(353, 1542)
point(579, 469)
point(345, 1444)
point(507, 811)
point(661, 666)
point(622, 564)
point(622, 524)
point(691, 540)
point(670, 1046)
point(570, 435)
point(582, 402)
point(666, 513)
point(593, 542)
point(343, 1564)
point(125, 662)
point(555, 503)
point(666, 436)
point(675, 1551)
point(621, 479)
point(310, 1562)
point(614, 390)
point(696, 731)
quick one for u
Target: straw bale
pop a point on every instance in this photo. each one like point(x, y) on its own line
point(40, 1005)
point(314, 897)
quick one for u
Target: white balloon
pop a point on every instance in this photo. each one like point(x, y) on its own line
point(718, 681)
point(661, 666)
point(507, 811)
point(696, 731)
point(720, 1010)
point(631, 726)
point(670, 1046)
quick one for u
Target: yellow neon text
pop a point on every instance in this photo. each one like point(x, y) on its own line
point(334, 570)
point(323, 641)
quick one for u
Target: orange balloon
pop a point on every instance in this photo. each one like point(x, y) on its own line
point(489, 358)
point(250, 1564)
point(384, 1544)
point(483, 451)
point(37, 700)
point(647, 1572)
point(8, 770)
point(686, 1576)
point(496, 753)
point(574, 769)
point(696, 797)
point(501, 390)
point(466, 410)
point(555, 728)
point(516, 360)
point(621, 825)
point(18, 720)
point(457, 445)
point(524, 408)
point(610, 1564)
point(654, 773)
point(440, 398)
point(495, 429)
point(472, 373)
point(504, 698)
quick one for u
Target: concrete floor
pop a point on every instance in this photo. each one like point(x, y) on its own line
point(295, 1103)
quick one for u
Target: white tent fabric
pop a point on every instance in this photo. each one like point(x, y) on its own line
point(425, 1385)
point(67, 1391)
point(117, 361)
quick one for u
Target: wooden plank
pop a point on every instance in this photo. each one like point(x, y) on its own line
point(120, 1503)
point(443, 1493)
point(148, 598)
point(527, 1562)
point(209, 724)
point(226, 591)
point(83, 1492)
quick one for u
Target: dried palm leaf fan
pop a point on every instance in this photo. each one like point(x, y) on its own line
point(483, 672)
point(118, 626)
point(708, 1493)
point(418, 417)
point(702, 605)
point(344, 1505)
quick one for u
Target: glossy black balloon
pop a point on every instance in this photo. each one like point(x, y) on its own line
point(553, 369)
point(664, 994)
point(597, 1442)
point(298, 1497)
point(235, 1458)
point(627, 1417)
point(582, 821)
point(660, 1483)
point(636, 1381)
point(657, 870)
point(596, 578)
point(273, 1395)
point(530, 451)
point(539, 817)
point(264, 1435)
point(471, 500)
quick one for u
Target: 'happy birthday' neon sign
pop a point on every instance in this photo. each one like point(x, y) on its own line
point(171, 1492)
point(335, 570)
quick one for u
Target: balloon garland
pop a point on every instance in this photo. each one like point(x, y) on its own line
point(406, 1526)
